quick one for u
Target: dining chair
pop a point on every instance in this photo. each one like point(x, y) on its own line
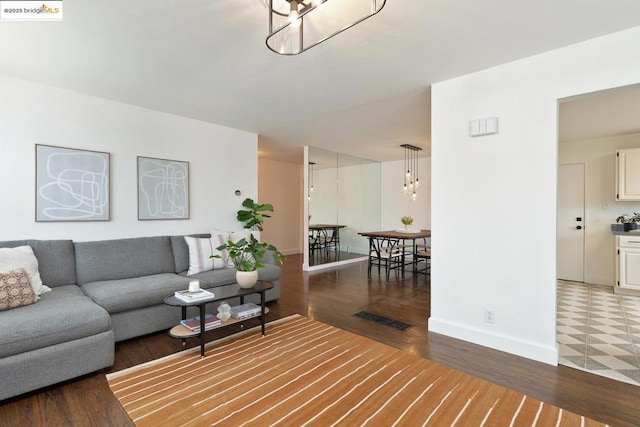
point(384, 252)
point(332, 240)
point(420, 245)
point(423, 255)
point(316, 242)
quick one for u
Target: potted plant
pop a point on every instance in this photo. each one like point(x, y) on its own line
point(407, 221)
point(629, 222)
point(247, 255)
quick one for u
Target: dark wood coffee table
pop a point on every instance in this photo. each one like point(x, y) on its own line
point(221, 293)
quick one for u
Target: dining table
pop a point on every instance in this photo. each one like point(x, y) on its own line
point(402, 236)
point(321, 238)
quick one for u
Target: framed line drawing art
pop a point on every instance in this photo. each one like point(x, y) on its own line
point(71, 184)
point(163, 189)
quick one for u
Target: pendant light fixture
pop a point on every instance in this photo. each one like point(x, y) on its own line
point(310, 172)
point(298, 25)
point(411, 176)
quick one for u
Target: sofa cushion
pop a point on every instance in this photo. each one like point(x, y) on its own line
point(15, 289)
point(212, 278)
point(123, 258)
point(181, 251)
point(62, 315)
point(23, 257)
point(133, 293)
point(56, 260)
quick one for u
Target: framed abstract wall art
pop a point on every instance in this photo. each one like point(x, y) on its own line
point(163, 189)
point(71, 184)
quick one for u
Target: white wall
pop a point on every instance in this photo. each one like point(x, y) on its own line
point(601, 208)
point(280, 184)
point(494, 197)
point(396, 205)
point(221, 160)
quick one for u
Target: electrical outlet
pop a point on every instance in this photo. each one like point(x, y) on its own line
point(489, 315)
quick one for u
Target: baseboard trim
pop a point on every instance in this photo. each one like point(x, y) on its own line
point(307, 267)
point(291, 251)
point(506, 343)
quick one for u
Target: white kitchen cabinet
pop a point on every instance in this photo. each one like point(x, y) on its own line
point(628, 271)
point(628, 174)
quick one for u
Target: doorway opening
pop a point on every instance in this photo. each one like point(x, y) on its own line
point(597, 330)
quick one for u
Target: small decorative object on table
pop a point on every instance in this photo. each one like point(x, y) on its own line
point(188, 296)
point(224, 311)
point(194, 286)
point(407, 221)
point(210, 322)
point(245, 311)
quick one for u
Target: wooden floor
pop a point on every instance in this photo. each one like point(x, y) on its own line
point(333, 296)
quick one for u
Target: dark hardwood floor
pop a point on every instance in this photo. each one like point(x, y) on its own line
point(333, 296)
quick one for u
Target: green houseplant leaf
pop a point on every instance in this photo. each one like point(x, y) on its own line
point(253, 217)
point(248, 254)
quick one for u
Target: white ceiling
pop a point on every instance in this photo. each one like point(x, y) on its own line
point(600, 114)
point(362, 93)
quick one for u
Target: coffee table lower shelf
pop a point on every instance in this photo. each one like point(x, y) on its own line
point(181, 331)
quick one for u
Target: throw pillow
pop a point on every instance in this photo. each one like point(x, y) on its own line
point(16, 289)
point(235, 236)
point(200, 251)
point(23, 257)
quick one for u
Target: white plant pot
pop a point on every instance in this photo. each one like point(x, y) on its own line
point(246, 279)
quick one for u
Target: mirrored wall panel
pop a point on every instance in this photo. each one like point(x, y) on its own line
point(343, 199)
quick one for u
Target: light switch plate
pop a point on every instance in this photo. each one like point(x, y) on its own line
point(481, 127)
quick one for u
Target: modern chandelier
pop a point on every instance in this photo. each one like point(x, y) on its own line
point(411, 178)
point(296, 26)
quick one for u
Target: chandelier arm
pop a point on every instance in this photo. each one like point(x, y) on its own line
point(416, 167)
point(411, 162)
point(404, 174)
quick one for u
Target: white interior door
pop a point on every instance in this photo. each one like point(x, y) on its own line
point(571, 222)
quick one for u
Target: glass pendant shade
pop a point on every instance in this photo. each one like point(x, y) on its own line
point(298, 25)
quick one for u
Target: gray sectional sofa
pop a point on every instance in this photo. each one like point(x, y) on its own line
point(102, 292)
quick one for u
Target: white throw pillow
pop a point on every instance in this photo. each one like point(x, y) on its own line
point(23, 257)
point(200, 251)
point(235, 236)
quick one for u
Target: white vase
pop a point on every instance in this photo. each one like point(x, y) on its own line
point(246, 279)
point(224, 311)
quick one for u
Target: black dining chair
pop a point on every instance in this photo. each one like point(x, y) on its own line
point(384, 252)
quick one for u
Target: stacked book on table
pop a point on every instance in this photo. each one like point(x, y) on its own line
point(245, 311)
point(193, 324)
point(188, 296)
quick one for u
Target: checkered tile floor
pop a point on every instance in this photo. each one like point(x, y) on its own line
point(599, 331)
